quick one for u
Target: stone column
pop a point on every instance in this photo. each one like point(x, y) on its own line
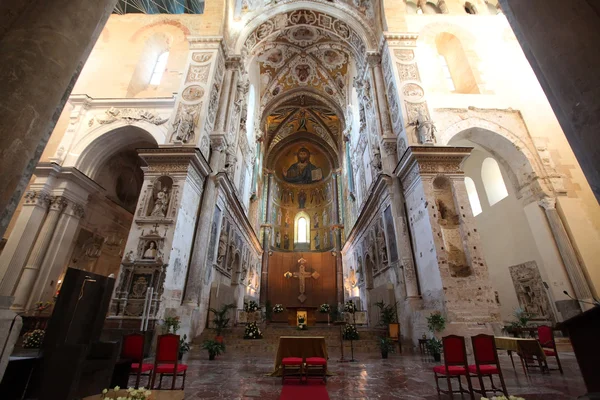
point(200, 248)
point(266, 239)
point(38, 253)
point(57, 255)
point(21, 239)
point(567, 252)
point(42, 53)
point(384, 124)
point(339, 269)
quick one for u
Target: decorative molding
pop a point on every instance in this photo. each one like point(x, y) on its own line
point(175, 159)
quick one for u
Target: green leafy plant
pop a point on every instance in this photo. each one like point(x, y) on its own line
point(386, 345)
point(350, 332)
point(387, 313)
point(172, 324)
point(214, 348)
point(436, 322)
point(184, 346)
point(33, 339)
point(220, 320)
point(434, 346)
point(522, 317)
point(252, 331)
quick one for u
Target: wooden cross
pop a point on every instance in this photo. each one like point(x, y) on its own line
point(302, 275)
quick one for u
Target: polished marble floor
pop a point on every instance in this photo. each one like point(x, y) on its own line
point(399, 377)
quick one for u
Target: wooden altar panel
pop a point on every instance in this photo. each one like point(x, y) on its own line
point(286, 291)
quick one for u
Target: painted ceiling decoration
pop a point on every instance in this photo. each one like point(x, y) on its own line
point(159, 7)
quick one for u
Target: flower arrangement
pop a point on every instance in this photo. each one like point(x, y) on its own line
point(184, 346)
point(172, 324)
point(252, 331)
point(350, 307)
point(251, 306)
point(130, 394)
point(41, 306)
point(278, 308)
point(503, 398)
point(324, 308)
point(350, 332)
point(522, 317)
point(301, 323)
point(33, 339)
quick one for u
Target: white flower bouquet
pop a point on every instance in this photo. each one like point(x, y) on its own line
point(129, 394)
point(324, 308)
point(350, 332)
point(278, 308)
point(33, 339)
point(252, 331)
point(350, 307)
point(251, 306)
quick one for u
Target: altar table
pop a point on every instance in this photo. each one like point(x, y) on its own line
point(299, 346)
point(511, 344)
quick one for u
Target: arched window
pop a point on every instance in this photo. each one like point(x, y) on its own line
point(302, 228)
point(455, 65)
point(470, 8)
point(473, 196)
point(159, 68)
point(493, 181)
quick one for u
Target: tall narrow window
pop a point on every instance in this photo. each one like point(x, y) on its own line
point(302, 229)
point(447, 74)
point(159, 68)
point(473, 196)
point(493, 181)
point(455, 64)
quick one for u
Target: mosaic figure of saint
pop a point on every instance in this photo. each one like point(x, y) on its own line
point(302, 171)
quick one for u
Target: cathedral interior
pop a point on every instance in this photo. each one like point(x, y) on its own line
point(397, 161)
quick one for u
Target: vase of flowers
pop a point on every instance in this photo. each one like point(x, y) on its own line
point(41, 306)
point(350, 332)
point(251, 306)
point(129, 394)
point(33, 339)
point(252, 331)
point(172, 324)
point(325, 309)
point(184, 347)
point(350, 307)
point(277, 309)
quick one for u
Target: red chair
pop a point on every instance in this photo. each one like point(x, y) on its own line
point(133, 349)
point(486, 363)
point(166, 361)
point(546, 339)
point(291, 366)
point(316, 367)
point(455, 365)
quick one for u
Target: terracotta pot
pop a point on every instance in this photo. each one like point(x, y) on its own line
point(219, 339)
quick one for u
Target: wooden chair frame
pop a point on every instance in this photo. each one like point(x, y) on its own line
point(496, 363)
point(312, 371)
point(448, 376)
point(139, 361)
point(550, 345)
point(175, 365)
point(296, 370)
point(532, 356)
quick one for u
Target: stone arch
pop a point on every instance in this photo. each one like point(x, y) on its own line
point(93, 149)
point(273, 21)
point(520, 161)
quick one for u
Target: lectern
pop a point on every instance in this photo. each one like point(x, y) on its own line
point(584, 332)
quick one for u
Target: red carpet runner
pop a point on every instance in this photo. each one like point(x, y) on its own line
point(312, 391)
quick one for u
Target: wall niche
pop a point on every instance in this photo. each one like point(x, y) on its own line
point(448, 219)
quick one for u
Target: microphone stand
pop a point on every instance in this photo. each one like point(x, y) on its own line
point(593, 303)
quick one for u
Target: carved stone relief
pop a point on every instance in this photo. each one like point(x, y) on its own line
point(530, 289)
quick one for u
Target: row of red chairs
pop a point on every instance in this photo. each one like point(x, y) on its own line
point(166, 361)
point(456, 364)
point(299, 367)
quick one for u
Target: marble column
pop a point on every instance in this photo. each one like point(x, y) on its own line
point(18, 246)
point(57, 254)
point(198, 264)
point(383, 123)
point(339, 269)
point(42, 53)
point(38, 253)
point(266, 239)
point(567, 252)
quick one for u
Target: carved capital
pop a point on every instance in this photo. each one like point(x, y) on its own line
point(36, 198)
point(389, 146)
point(218, 142)
point(233, 62)
point(58, 203)
point(373, 59)
point(548, 203)
point(76, 209)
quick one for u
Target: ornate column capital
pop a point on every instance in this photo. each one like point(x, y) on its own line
point(234, 62)
point(37, 198)
point(373, 59)
point(58, 203)
point(75, 209)
point(218, 142)
point(389, 146)
point(547, 203)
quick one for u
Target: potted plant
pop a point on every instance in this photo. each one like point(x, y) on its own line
point(184, 346)
point(522, 318)
point(214, 348)
point(436, 324)
point(386, 345)
point(220, 321)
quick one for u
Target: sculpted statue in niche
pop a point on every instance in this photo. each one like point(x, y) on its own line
point(184, 126)
point(222, 246)
point(382, 246)
point(425, 129)
point(359, 271)
point(376, 160)
point(161, 194)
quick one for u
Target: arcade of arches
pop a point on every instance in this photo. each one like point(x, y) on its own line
point(405, 150)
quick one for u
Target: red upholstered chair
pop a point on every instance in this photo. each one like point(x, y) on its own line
point(455, 365)
point(133, 349)
point(546, 339)
point(291, 366)
point(316, 367)
point(486, 363)
point(166, 361)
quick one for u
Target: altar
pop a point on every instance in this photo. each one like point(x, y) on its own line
point(308, 312)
